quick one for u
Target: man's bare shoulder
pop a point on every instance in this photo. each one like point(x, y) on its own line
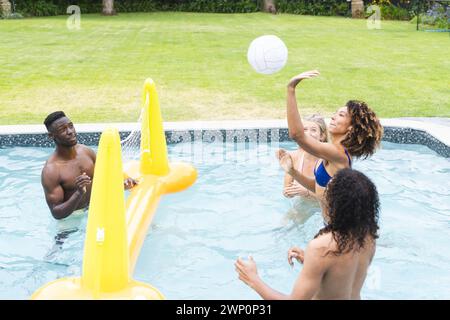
point(50, 172)
point(85, 149)
point(51, 164)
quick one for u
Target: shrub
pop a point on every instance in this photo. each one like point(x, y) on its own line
point(390, 9)
point(14, 15)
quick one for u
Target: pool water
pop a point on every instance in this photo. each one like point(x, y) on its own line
point(236, 208)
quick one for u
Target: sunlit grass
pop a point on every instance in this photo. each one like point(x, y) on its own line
point(199, 64)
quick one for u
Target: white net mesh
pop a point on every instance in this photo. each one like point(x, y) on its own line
point(131, 143)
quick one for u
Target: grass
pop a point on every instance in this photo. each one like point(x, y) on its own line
point(199, 64)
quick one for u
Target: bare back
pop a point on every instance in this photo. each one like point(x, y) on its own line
point(333, 277)
point(346, 273)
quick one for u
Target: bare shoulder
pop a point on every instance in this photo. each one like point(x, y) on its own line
point(51, 165)
point(85, 149)
point(371, 247)
point(321, 245)
point(50, 172)
point(316, 259)
point(342, 154)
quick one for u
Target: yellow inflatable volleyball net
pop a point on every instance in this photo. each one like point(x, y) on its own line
point(116, 229)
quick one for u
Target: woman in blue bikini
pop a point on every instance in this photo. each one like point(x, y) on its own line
point(304, 162)
point(355, 132)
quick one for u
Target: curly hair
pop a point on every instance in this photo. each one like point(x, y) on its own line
point(352, 203)
point(366, 132)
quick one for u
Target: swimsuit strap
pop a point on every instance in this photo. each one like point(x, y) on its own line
point(348, 156)
point(315, 166)
point(301, 164)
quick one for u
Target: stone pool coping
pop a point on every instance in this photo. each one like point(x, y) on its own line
point(432, 132)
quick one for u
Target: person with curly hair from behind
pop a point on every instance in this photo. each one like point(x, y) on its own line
point(336, 261)
point(355, 132)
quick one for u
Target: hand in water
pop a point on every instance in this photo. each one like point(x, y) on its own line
point(247, 270)
point(82, 181)
point(297, 253)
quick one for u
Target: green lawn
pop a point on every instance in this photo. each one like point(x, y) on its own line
point(199, 64)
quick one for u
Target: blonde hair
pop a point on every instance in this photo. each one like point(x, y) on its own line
point(320, 121)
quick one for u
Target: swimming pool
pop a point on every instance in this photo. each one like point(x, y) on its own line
point(234, 209)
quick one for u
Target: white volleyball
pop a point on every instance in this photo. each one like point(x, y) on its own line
point(267, 54)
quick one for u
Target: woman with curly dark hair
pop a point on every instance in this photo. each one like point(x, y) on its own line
point(355, 133)
point(337, 259)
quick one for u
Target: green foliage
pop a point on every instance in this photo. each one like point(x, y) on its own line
point(38, 8)
point(218, 6)
point(438, 19)
point(391, 12)
point(54, 7)
point(315, 7)
point(135, 6)
point(14, 15)
point(390, 9)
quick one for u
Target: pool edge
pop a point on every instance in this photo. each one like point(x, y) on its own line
point(405, 131)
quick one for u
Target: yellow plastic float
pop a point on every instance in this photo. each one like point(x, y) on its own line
point(115, 230)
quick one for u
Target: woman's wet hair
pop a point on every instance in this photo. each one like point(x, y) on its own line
point(320, 121)
point(365, 135)
point(352, 205)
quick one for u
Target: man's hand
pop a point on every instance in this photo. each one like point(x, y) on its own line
point(247, 271)
point(305, 75)
point(82, 181)
point(285, 160)
point(129, 183)
point(297, 253)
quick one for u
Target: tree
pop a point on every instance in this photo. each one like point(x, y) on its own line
point(357, 9)
point(108, 8)
point(5, 7)
point(269, 6)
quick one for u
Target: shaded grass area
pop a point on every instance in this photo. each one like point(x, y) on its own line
point(199, 64)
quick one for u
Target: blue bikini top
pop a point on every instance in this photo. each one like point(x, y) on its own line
point(321, 174)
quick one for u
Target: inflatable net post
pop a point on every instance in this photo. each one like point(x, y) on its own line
point(105, 260)
point(153, 143)
point(116, 230)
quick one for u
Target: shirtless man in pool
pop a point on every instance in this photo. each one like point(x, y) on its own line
point(67, 174)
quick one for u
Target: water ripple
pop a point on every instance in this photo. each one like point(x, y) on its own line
point(236, 208)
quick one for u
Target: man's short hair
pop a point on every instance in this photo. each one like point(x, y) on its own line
point(52, 117)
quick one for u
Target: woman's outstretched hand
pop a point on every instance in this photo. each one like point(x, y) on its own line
point(285, 160)
point(305, 75)
point(247, 271)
